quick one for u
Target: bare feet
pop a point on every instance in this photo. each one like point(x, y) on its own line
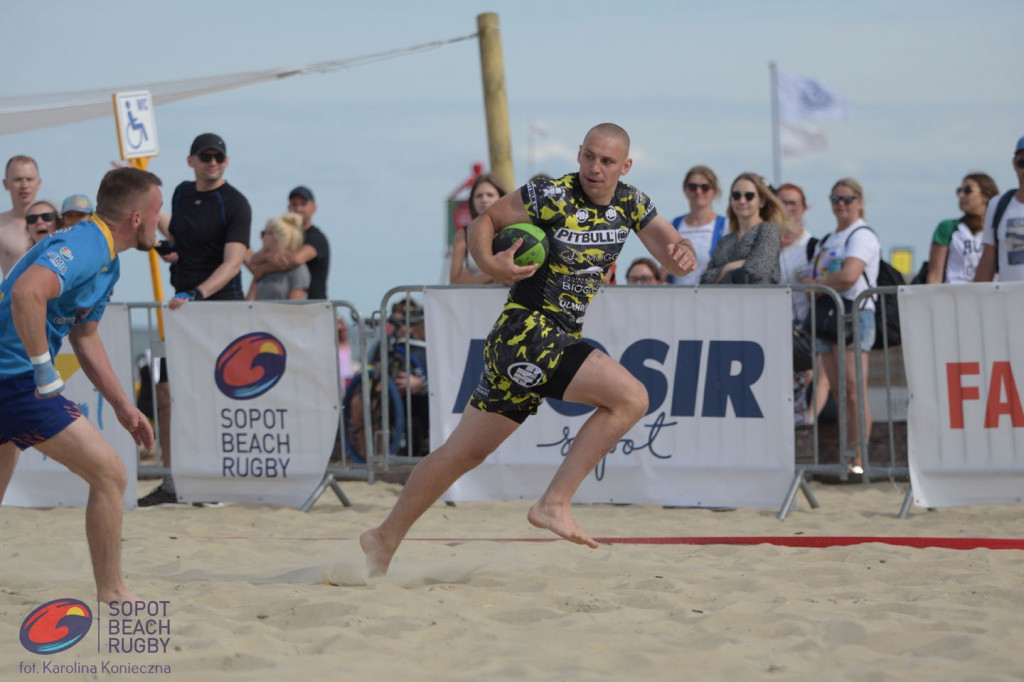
point(559, 521)
point(121, 594)
point(378, 554)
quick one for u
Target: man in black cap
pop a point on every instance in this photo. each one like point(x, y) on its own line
point(315, 253)
point(209, 228)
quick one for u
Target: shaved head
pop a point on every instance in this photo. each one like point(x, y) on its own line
point(611, 130)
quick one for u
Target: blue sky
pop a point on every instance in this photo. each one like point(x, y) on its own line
point(933, 86)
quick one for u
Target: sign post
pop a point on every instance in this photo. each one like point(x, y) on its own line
point(135, 116)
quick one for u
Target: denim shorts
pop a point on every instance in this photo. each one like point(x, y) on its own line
point(867, 334)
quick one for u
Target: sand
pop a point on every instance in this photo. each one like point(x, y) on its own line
point(260, 593)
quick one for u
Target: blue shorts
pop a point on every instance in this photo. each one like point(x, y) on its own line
point(867, 334)
point(26, 420)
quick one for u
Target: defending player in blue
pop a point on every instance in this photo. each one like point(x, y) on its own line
point(59, 289)
point(535, 349)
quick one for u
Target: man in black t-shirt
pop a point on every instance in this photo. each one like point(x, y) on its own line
point(315, 252)
point(209, 227)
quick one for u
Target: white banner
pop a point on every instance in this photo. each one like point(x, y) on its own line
point(965, 424)
point(717, 365)
point(39, 481)
point(254, 399)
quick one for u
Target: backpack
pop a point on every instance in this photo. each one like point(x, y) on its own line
point(1004, 201)
point(888, 276)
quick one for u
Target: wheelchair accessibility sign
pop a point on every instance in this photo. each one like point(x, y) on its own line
point(136, 124)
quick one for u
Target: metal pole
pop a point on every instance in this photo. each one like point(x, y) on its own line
point(495, 100)
point(776, 145)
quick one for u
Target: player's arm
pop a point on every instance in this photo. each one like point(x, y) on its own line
point(34, 288)
point(508, 210)
point(663, 242)
point(234, 254)
point(92, 356)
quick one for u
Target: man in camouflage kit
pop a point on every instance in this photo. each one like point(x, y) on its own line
point(535, 348)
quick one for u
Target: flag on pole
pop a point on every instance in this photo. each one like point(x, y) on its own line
point(800, 140)
point(802, 98)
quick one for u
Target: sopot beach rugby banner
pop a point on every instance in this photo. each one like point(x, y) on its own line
point(39, 481)
point(717, 365)
point(254, 391)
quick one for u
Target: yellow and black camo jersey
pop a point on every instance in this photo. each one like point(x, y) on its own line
point(584, 239)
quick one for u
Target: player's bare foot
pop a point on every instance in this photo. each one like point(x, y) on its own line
point(122, 594)
point(378, 554)
point(559, 521)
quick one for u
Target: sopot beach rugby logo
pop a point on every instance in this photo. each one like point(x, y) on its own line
point(250, 366)
point(56, 626)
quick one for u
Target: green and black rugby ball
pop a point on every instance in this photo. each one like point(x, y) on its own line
point(534, 248)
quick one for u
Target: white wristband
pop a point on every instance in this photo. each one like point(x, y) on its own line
point(40, 359)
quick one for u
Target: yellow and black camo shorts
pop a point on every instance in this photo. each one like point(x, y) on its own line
point(527, 357)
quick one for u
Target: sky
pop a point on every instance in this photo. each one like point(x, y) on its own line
point(933, 85)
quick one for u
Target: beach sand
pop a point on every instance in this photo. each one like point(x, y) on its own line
point(266, 594)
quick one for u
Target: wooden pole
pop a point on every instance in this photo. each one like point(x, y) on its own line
point(492, 68)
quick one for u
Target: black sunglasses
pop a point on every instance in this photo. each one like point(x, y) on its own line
point(205, 157)
point(1020, 162)
point(749, 196)
point(45, 217)
point(702, 186)
point(966, 189)
point(847, 199)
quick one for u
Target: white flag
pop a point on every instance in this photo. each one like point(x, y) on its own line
point(802, 98)
point(800, 140)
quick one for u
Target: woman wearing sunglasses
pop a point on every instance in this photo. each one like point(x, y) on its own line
point(702, 226)
point(956, 244)
point(282, 234)
point(848, 260)
point(749, 253)
point(41, 220)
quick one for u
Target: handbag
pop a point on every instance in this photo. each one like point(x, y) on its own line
point(803, 351)
point(827, 320)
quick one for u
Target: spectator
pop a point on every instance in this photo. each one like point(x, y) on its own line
point(41, 220)
point(643, 271)
point(315, 253)
point(282, 234)
point(485, 190)
point(702, 226)
point(848, 261)
point(408, 368)
point(21, 179)
point(53, 295)
point(956, 244)
point(1003, 235)
point(76, 208)
point(346, 368)
point(749, 253)
point(794, 267)
point(209, 225)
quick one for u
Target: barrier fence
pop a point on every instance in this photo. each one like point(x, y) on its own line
point(715, 361)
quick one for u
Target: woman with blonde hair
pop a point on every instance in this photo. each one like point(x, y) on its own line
point(282, 234)
point(486, 189)
point(749, 253)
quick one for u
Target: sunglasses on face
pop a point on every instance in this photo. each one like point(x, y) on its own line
point(698, 186)
point(749, 196)
point(846, 199)
point(266, 233)
point(966, 190)
point(45, 217)
point(206, 157)
point(1020, 162)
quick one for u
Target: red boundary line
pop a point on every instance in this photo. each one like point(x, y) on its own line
point(780, 540)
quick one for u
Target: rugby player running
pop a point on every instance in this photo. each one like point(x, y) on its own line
point(535, 348)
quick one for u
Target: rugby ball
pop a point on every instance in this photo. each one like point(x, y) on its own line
point(534, 248)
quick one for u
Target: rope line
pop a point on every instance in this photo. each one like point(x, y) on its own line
point(334, 65)
point(782, 541)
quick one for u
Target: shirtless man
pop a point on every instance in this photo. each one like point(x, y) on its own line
point(587, 217)
point(21, 179)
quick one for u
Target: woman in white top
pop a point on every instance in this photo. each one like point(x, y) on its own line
point(956, 243)
point(485, 191)
point(848, 260)
point(702, 226)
